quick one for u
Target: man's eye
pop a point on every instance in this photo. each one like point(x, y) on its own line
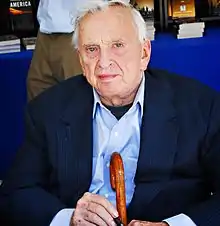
point(118, 45)
point(91, 49)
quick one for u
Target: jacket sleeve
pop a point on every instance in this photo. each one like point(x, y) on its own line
point(25, 196)
point(208, 211)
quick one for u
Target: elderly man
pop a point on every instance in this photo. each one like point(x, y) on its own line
point(166, 128)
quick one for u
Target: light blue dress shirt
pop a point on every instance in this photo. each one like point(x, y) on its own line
point(58, 16)
point(113, 135)
point(123, 136)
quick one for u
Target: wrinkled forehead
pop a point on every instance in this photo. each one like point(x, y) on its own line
point(112, 23)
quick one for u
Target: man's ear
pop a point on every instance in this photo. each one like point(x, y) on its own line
point(146, 53)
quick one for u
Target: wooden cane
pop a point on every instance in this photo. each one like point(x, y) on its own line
point(118, 184)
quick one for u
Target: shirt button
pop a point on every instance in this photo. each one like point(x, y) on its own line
point(106, 195)
point(116, 134)
point(108, 164)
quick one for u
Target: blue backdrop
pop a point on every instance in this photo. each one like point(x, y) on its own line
point(197, 58)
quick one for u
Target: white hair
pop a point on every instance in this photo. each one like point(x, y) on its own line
point(99, 5)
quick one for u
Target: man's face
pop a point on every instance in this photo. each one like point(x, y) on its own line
point(111, 54)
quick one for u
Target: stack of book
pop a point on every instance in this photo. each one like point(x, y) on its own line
point(9, 44)
point(29, 43)
point(190, 30)
point(150, 29)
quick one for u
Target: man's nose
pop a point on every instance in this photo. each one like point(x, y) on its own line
point(104, 59)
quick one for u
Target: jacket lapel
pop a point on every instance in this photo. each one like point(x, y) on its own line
point(158, 139)
point(76, 156)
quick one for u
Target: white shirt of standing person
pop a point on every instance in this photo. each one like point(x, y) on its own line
point(58, 16)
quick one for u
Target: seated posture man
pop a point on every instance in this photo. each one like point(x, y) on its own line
point(165, 127)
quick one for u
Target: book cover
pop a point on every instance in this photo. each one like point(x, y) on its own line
point(183, 8)
point(146, 8)
point(21, 15)
point(214, 7)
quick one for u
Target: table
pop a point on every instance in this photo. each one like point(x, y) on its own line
point(197, 58)
point(13, 72)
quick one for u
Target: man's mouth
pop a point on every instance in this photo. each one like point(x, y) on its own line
point(107, 77)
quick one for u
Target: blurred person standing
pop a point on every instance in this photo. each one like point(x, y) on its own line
point(54, 58)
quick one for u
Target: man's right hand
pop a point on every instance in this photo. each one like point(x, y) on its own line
point(93, 209)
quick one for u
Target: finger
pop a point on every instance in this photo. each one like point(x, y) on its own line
point(139, 223)
point(86, 209)
point(102, 201)
point(77, 217)
point(134, 223)
point(101, 212)
point(95, 219)
point(80, 222)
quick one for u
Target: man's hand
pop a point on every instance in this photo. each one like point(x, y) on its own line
point(93, 209)
point(146, 223)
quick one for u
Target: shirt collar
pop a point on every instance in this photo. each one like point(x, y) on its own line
point(139, 98)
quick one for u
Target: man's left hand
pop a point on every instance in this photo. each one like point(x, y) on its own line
point(146, 223)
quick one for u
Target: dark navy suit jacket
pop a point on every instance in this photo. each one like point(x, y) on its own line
point(179, 163)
